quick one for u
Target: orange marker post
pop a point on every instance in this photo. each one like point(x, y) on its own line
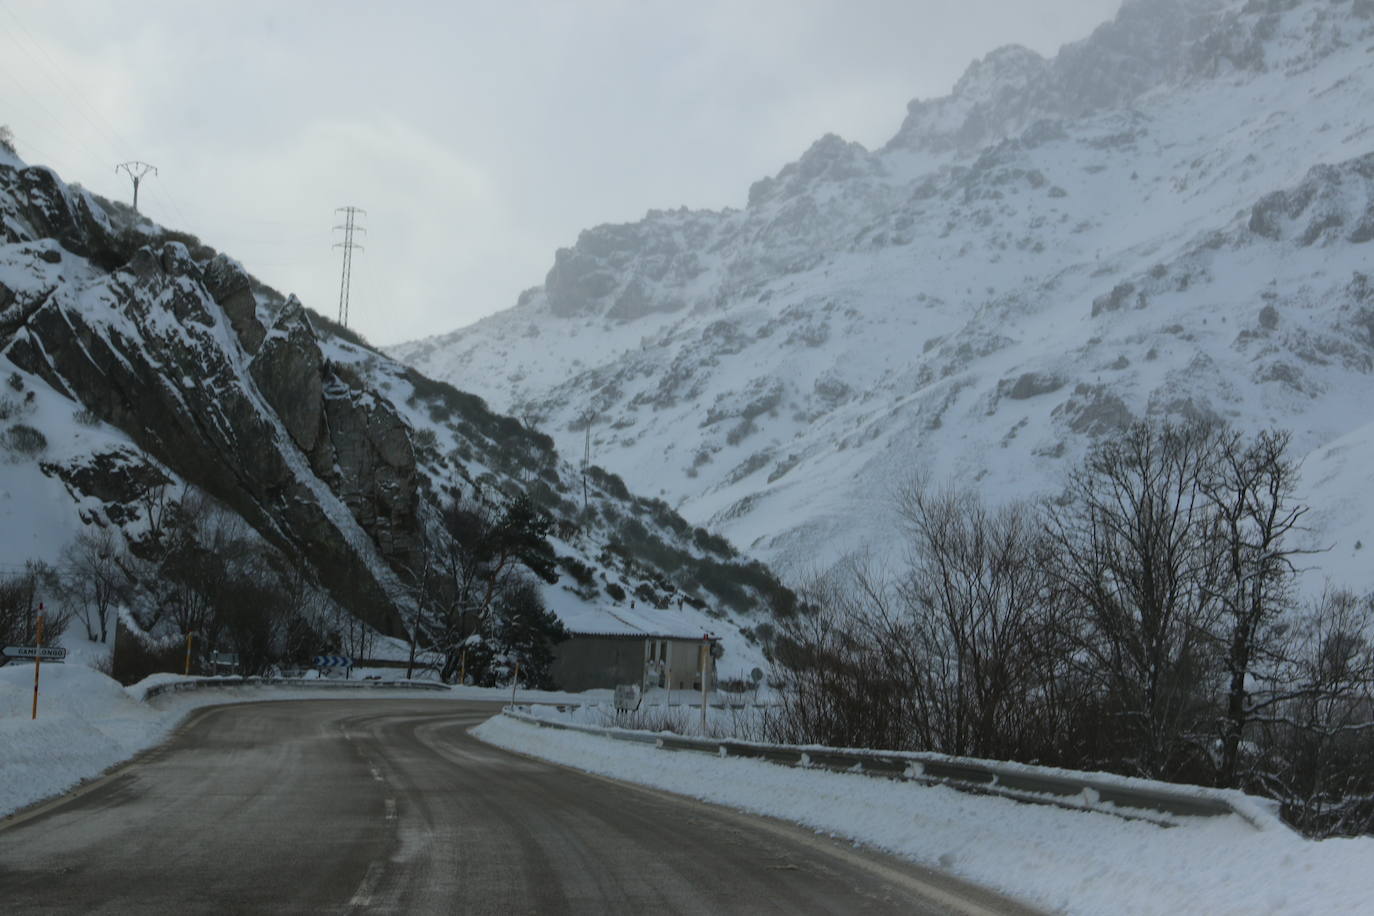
point(37, 659)
point(189, 637)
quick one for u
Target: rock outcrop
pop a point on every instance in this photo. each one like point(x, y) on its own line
point(171, 351)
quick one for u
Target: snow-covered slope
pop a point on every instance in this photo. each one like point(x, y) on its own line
point(1170, 218)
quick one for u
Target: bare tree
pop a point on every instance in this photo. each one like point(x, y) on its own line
point(1316, 728)
point(1250, 487)
point(1145, 623)
point(975, 595)
point(1134, 555)
point(847, 679)
point(94, 579)
point(199, 554)
point(20, 599)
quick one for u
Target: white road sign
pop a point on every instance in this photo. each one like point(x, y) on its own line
point(46, 653)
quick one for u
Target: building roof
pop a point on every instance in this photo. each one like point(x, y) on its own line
point(645, 623)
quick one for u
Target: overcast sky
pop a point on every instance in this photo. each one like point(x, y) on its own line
point(479, 137)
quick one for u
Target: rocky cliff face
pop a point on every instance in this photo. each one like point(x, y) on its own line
point(163, 347)
point(1167, 219)
point(179, 368)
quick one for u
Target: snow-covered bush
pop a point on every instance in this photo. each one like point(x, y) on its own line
point(25, 440)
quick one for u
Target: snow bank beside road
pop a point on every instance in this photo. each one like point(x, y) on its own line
point(1054, 859)
point(86, 724)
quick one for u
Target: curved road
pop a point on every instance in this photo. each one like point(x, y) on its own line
point(342, 806)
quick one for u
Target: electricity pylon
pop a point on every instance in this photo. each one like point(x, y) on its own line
point(349, 227)
point(135, 170)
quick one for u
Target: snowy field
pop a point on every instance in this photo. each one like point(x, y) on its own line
point(1057, 860)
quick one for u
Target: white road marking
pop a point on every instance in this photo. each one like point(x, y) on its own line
point(363, 895)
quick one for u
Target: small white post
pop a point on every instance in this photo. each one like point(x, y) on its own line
point(668, 669)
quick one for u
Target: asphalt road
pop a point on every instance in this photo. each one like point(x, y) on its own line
point(340, 806)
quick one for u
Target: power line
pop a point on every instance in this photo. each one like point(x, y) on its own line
point(58, 129)
point(80, 105)
point(346, 276)
point(55, 75)
point(65, 131)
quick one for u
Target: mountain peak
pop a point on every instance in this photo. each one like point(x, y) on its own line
point(1151, 44)
point(1007, 66)
point(831, 158)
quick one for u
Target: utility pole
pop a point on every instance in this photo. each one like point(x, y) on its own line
point(136, 171)
point(349, 226)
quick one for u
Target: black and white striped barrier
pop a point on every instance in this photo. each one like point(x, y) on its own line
point(1122, 796)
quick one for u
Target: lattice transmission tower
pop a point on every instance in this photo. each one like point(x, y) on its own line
point(136, 171)
point(349, 227)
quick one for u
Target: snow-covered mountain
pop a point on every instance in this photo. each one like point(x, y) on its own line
point(1170, 218)
point(135, 361)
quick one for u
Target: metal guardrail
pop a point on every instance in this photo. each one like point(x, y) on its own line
point(312, 684)
point(565, 705)
point(1122, 796)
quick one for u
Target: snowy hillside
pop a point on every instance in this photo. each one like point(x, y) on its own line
point(1169, 219)
point(136, 362)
